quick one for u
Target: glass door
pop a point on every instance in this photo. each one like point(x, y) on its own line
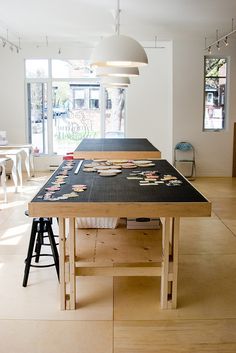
point(114, 113)
point(37, 115)
point(76, 114)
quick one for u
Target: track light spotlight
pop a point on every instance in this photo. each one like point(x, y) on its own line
point(226, 41)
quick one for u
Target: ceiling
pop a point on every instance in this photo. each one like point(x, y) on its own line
point(86, 21)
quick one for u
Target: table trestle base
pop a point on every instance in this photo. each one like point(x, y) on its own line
point(167, 269)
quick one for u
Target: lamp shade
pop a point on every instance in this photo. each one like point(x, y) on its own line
point(115, 81)
point(119, 50)
point(112, 71)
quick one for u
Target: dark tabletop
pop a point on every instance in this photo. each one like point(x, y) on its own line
point(120, 189)
point(116, 144)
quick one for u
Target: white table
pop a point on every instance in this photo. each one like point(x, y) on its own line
point(15, 156)
point(27, 152)
point(3, 176)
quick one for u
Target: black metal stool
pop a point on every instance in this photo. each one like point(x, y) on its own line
point(40, 226)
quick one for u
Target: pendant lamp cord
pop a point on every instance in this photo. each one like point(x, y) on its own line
point(118, 18)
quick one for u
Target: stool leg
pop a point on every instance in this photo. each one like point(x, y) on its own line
point(37, 247)
point(53, 247)
point(30, 252)
point(39, 240)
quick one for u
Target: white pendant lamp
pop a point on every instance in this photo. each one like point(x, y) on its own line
point(119, 50)
point(112, 71)
point(115, 82)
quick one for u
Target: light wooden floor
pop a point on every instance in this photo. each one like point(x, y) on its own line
point(122, 315)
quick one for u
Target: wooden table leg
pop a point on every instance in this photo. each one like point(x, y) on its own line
point(165, 262)
point(62, 261)
point(72, 263)
point(170, 243)
point(175, 258)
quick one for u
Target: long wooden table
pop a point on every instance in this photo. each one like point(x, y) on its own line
point(119, 197)
point(112, 148)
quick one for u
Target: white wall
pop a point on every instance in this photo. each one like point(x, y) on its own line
point(12, 111)
point(213, 149)
point(149, 101)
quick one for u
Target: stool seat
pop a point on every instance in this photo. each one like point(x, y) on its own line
point(41, 229)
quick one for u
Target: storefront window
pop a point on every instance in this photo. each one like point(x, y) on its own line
point(66, 104)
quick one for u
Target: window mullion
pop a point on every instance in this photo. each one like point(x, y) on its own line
point(50, 111)
point(103, 108)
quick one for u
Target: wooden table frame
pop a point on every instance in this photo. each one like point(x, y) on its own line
point(70, 267)
point(169, 212)
point(167, 269)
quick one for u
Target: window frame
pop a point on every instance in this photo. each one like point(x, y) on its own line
point(49, 81)
point(226, 77)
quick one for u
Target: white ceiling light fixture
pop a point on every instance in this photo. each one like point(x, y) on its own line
point(119, 50)
point(115, 82)
point(112, 71)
